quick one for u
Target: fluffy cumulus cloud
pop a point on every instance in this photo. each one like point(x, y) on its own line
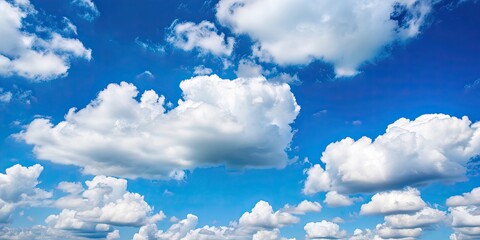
point(433, 147)
point(203, 37)
point(469, 198)
point(262, 215)
point(27, 54)
point(260, 223)
point(408, 200)
point(242, 123)
point(386, 232)
point(406, 215)
point(410, 225)
point(92, 212)
point(465, 215)
point(343, 33)
point(324, 230)
point(18, 187)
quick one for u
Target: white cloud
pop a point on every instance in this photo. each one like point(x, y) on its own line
point(261, 223)
point(68, 221)
point(465, 215)
point(185, 230)
point(287, 78)
point(5, 97)
point(334, 199)
point(203, 37)
point(407, 215)
point(303, 207)
point(28, 55)
point(318, 180)
point(386, 232)
point(145, 75)
point(18, 188)
point(470, 198)
point(433, 147)
point(37, 232)
point(242, 123)
point(105, 203)
point(71, 187)
point(367, 234)
point(148, 45)
point(423, 218)
point(202, 70)
point(324, 230)
point(466, 221)
point(247, 68)
point(338, 220)
point(90, 11)
point(213, 233)
point(392, 202)
point(262, 215)
point(344, 33)
point(269, 235)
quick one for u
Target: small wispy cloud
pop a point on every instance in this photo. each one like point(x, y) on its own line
point(473, 85)
point(89, 10)
point(150, 46)
point(146, 75)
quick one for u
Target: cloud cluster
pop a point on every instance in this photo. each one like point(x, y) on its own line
point(433, 147)
point(343, 33)
point(465, 215)
point(242, 123)
point(406, 215)
point(203, 37)
point(18, 187)
point(105, 203)
point(27, 54)
point(324, 230)
point(262, 222)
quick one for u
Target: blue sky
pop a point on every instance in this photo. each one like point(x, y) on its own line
point(239, 119)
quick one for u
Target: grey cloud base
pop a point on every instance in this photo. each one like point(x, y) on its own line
point(241, 123)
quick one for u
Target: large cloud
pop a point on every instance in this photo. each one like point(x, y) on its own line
point(433, 147)
point(242, 123)
point(28, 55)
point(18, 188)
point(343, 33)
